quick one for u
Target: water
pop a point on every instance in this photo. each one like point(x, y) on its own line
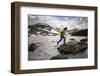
point(47, 48)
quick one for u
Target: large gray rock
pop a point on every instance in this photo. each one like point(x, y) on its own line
point(72, 47)
point(72, 39)
point(32, 47)
point(84, 40)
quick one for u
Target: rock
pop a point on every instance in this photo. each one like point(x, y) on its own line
point(59, 57)
point(81, 32)
point(72, 47)
point(83, 40)
point(32, 47)
point(72, 39)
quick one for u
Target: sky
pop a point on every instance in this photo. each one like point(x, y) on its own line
point(70, 22)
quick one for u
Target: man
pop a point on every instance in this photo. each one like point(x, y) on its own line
point(62, 35)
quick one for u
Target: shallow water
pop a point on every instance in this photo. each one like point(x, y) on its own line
point(47, 48)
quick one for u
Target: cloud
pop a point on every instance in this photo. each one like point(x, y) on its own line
point(59, 21)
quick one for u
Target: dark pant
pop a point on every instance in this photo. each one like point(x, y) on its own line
point(62, 38)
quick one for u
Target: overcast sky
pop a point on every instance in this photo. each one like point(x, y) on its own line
point(59, 21)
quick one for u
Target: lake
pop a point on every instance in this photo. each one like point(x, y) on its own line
point(47, 48)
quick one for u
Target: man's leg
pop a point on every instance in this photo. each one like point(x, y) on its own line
point(64, 40)
point(59, 40)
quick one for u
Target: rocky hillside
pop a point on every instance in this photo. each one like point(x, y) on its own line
point(41, 29)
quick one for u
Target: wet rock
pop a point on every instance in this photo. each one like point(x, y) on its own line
point(83, 40)
point(72, 47)
point(72, 39)
point(81, 32)
point(59, 57)
point(32, 47)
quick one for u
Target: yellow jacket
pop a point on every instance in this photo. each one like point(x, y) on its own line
point(62, 32)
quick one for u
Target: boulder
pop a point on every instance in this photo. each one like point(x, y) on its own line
point(83, 40)
point(32, 47)
point(72, 47)
point(72, 39)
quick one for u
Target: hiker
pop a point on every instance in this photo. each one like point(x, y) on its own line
point(62, 35)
